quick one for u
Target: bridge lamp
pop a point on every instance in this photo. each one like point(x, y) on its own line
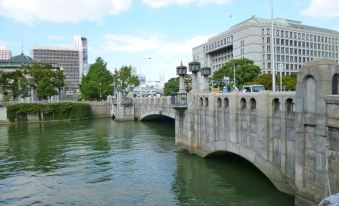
point(182, 71)
point(194, 67)
point(205, 71)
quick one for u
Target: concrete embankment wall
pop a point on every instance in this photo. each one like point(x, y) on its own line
point(3, 115)
point(100, 109)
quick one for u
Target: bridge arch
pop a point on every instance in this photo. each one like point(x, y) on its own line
point(270, 171)
point(155, 115)
point(253, 104)
point(226, 103)
point(243, 103)
point(206, 102)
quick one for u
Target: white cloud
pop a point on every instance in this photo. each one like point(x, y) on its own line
point(163, 3)
point(155, 43)
point(166, 54)
point(30, 11)
point(322, 8)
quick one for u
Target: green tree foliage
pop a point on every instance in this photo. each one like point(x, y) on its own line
point(171, 86)
point(245, 71)
point(289, 81)
point(124, 78)
point(45, 112)
point(44, 79)
point(14, 84)
point(97, 84)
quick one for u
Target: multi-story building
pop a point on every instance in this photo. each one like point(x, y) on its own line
point(5, 54)
point(16, 63)
point(72, 59)
point(81, 44)
point(294, 44)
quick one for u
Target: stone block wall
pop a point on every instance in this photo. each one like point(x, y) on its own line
point(244, 124)
point(100, 109)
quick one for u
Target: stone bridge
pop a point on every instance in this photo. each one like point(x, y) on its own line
point(291, 137)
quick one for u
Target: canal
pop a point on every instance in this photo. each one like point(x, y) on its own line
point(103, 162)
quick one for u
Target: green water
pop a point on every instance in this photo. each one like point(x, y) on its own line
point(103, 162)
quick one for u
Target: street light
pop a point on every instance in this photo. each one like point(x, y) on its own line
point(181, 71)
point(233, 74)
point(205, 72)
point(281, 67)
point(272, 48)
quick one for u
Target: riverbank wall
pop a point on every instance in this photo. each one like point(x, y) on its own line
point(99, 109)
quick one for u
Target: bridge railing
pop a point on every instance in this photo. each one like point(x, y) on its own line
point(179, 99)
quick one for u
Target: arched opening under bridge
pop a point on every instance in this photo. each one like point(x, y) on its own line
point(261, 172)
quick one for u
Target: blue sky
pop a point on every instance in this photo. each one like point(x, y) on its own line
point(126, 32)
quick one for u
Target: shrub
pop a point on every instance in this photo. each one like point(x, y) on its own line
point(53, 111)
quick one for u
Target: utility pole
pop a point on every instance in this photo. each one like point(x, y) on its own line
point(272, 48)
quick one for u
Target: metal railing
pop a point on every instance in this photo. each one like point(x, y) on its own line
point(179, 99)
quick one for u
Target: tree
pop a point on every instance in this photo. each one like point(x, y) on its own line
point(97, 84)
point(172, 85)
point(124, 79)
point(289, 81)
point(245, 71)
point(14, 84)
point(46, 80)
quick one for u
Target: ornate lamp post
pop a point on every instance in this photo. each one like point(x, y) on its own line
point(194, 67)
point(182, 71)
point(205, 72)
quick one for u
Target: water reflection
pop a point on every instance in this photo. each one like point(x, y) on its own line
point(102, 162)
point(223, 180)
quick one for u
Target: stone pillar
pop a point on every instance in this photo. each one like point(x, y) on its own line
point(195, 84)
point(313, 179)
point(182, 71)
point(182, 84)
point(205, 85)
point(205, 72)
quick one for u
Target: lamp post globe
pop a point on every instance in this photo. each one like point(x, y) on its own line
point(205, 71)
point(181, 70)
point(194, 66)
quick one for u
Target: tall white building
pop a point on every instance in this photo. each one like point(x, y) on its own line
point(5, 54)
point(295, 44)
point(72, 59)
point(81, 44)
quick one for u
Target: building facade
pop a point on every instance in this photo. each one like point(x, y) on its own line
point(295, 44)
point(73, 60)
point(15, 63)
point(80, 43)
point(5, 54)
